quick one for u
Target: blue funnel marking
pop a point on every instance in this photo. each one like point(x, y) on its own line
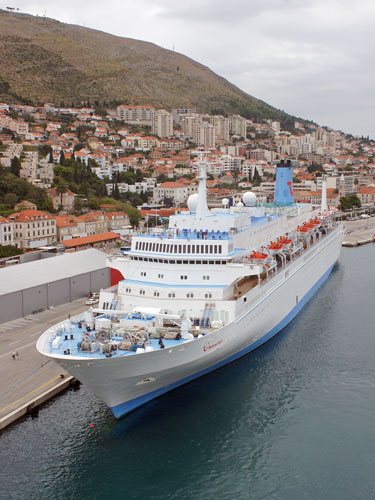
point(284, 184)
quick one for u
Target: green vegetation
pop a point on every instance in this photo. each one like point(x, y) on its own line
point(9, 251)
point(79, 178)
point(314, 168)
point(13, 190)
point(120, 205)
point(349, 202)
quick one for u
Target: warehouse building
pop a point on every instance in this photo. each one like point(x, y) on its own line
point(35, 286)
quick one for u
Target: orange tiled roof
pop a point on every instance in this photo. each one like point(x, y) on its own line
point(30, 215)
point(93, 238)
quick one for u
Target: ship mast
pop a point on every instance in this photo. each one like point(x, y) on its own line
point(202, 209)
point(324, 194)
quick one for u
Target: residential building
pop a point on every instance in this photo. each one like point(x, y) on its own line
point(69, 226)
point(367, 195)
point(176, 192)
point(33, 228)
point(135, 114)
point(95, 222)
point(221, 125)
point(189, 125)
point(65, 200)
point(237, 125)
point(179, 114)
point(6, 231)
point(205, 135)
point(162, 123)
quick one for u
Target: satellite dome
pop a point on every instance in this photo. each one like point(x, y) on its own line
point(240, 204)
point(192, 202)
point(225, 202)
point(249, 199)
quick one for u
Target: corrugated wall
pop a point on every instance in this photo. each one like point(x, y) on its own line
point(31, 300)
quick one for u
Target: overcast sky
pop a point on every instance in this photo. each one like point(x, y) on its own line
point(311, 58)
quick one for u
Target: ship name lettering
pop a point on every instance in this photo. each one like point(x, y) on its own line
point(211, 346)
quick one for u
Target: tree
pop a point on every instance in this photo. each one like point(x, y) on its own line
point(62, 188)
point(315, 167)
point(93, 203)
point(10, 199)
point(15, 166)
point(62, 158)
point(116, 192)
point(348, 202)
point(256, 178)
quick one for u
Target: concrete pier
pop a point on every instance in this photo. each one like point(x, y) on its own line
point(359, 232)
point(31, 380)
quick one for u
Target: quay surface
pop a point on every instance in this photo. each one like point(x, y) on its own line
point(358, 232)
point(32, 379)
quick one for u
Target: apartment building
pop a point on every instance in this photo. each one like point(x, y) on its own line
point(179, 114)
point(189, 125)
point(221, 126)
point(237, 125)
point(205, 135)
point(162, 123)
point(135, 114)
point(6, 231)
point(33, 228)
point(177, 192)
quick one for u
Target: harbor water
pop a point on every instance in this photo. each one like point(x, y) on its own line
point(291, 420)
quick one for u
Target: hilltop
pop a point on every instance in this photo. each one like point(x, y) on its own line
point(45, 60)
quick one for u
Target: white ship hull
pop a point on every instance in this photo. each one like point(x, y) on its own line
point(124, 383)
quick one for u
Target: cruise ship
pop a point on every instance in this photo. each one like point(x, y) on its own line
point(213, 286)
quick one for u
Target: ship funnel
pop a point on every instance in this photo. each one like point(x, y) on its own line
point(284, 183)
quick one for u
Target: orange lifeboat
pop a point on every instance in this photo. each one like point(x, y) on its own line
point(303, 231)
point(259, 257)
point(285, 241)
point(275, 246)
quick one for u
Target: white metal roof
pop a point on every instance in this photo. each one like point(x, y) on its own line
point(30, 274)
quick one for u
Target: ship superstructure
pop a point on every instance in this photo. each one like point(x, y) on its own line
point(212, 286)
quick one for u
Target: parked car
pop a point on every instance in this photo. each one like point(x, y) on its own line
point(92, 301)
point(93, 298)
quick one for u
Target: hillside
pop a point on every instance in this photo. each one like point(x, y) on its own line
point(44, 60)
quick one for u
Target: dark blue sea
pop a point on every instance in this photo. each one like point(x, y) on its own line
point(295, 419)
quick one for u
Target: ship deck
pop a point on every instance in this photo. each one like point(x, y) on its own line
point(73, 344)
